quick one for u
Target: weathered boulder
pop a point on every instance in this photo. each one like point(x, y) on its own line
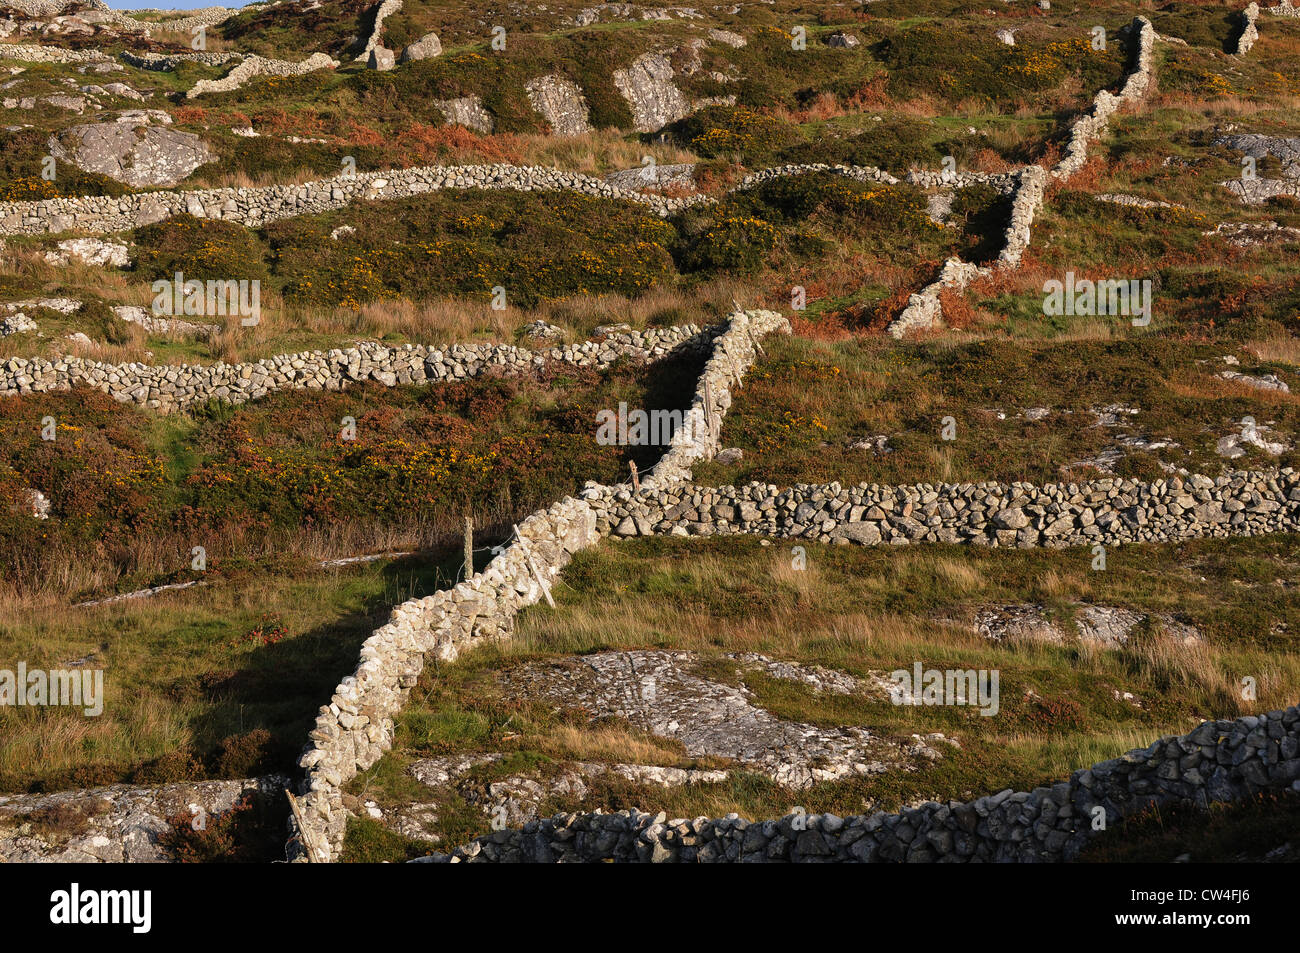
point(135, 154)
point(381, 59)
point(425, 48)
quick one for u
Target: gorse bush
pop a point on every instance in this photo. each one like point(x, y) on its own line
point(467, 244)
point(200, 248)
point(116, 479)
point(735, 243)
point(719, 131)
point(930, 58)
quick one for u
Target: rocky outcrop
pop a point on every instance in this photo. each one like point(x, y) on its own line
point(90, 251)
point(1246, 234)
point(663, 694)
point(680, 175)
point(1258, 146)
point(1257, 191)
point(381, 59)
point(1254, 190)
point(253, 66)
point(466, 111)
point(560, 102)
point(119, 823)
point(1219, 761)
point(135, 153)
point(648, 87)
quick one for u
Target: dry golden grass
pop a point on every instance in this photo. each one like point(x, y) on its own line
point(611, 744)
point(1211, 387)
point(159, 554)
point(240, 179)
point(599, 152)
point(1279, 348)
point(288, 326)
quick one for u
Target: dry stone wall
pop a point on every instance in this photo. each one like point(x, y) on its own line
point(924, 308)
point(261, 66)
point(386, 9)
point(1110, 511)
point(1249, 31)
point(163, 62)
point(354, 730)
point(33, 53)
point(1093, 125)
point(176, 387)
point(1218, 761)
point(258, 206)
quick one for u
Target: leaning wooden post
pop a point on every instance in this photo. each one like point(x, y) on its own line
point(709, 418)
point(469, 546)
point(541, 580)
point(636, 479)
point(310, 850)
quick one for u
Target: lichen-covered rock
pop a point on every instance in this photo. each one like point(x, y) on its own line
point(115, 824)
point(425, 48)
point(560, 102)
point(138, 155)
point(648, 87)
point(90, 251)
point(466, 111)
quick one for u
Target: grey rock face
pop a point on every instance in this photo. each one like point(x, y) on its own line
point(726, 36)
point(117, 824)
point(654, 176)
point(467, 111)
point(90, 251)
point(425, 48)
point(648, 87)
point(659, 692)
point(136, 155)
point(560, 102)
point(1218, 761)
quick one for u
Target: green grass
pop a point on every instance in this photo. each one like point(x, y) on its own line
point(804, 405)
point(861, 610)
point(190, 691)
